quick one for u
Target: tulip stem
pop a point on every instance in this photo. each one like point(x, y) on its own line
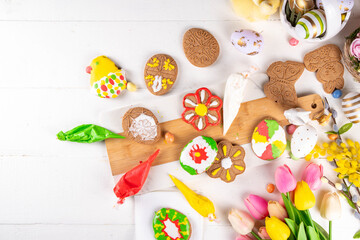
point(330, 230)
point(255, 235)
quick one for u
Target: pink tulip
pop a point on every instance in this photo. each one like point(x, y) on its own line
point(263, 233)
point(243, 237)
point(312, 175)
point(285, 180)
point(241, 221)
point(257, 206)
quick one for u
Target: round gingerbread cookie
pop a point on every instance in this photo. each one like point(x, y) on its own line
point(198, 155)
point(170, 224)
point(268, 140)
point(228, 163)
point(141, 125)
point(160, 74)
point(200, 47)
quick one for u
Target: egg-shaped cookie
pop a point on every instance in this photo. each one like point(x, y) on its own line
point(160, 74)
point(141, 125)
point(200, 47)
point(268, 140)
point(198, 155)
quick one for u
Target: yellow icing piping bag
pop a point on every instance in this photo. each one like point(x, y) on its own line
point(198, 202)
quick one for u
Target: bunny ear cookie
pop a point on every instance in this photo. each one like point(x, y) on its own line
point(325, 61)
point(280, 87)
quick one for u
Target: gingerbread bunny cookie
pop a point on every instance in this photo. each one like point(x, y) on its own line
point(280, 87)
point(325, 61)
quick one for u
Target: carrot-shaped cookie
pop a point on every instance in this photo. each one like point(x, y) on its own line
point(198, 202)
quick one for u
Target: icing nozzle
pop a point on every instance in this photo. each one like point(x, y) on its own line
point(88, 69)
point(212, 217)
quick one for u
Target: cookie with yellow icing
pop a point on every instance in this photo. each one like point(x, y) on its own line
point(228, 163)
point(268, 140)
point(160, 74)
point(106, 79)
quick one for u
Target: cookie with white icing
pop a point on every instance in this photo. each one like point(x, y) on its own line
point(160, 74)
point(228, 163)
point(198, 155)
point(141, 125)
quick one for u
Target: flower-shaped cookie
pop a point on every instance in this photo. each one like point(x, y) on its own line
point(228, 163)
point(202, 109)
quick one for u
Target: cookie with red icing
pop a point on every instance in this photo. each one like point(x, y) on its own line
point(170, 224)
point(202, 109)
point(198, 155)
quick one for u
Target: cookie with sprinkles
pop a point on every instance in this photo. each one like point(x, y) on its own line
point(141, 125)
point(268, 140)
point(228, 163)
point(106, 80)
point(170, 224)
point(160, 74)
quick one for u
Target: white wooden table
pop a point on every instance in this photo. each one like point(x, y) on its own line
point(58, 190)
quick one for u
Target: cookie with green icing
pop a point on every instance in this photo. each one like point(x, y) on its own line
point(170, 224)
point(198, 155)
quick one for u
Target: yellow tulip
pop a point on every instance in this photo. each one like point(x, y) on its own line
point(304, 198)
point(277, 229)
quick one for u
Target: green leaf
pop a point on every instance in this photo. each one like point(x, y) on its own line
point(289, 208)
point(357, 235)
point(291, 237)
point(345, 128)
point(331, 132)
point(323, 234)
point(304, 215)
point(311, 233)
point(301, 234)
point(292, 225)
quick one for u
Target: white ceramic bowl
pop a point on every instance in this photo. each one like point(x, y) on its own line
point(333, 21)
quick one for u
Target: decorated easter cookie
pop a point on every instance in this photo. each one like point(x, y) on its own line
point(170, 224)
point(202, 109)
point(141, 125)
point(106, 80)
point(351, 106)
point(160, 74)
point(247, 41)
point(303, 141)
point(200, 47)
point(228, 163)
point(198, 155)
point(268, 140)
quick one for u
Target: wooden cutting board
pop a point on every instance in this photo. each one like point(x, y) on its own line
point(125, 154)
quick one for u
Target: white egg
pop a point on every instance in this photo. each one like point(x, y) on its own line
point(303, 141)
point(247, 41)
point(311, 25)
point(344, 5)
point(351, 106)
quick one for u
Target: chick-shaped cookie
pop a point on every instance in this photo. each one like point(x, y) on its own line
point(106, 80)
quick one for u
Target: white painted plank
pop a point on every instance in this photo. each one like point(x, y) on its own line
point(68, 232)
point(59, 190)
point(116, 10)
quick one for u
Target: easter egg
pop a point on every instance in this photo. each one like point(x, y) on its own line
point(198, 155)
point(301, 6)
point(344, 5)
point(303, 141)
point(351, 106)
point(337, 93)
point(268, 140)
point(247, 41)
point(311, 25)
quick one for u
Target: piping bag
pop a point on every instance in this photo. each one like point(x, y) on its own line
point(198, 202)
point(87, 133)
point(133, 180)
